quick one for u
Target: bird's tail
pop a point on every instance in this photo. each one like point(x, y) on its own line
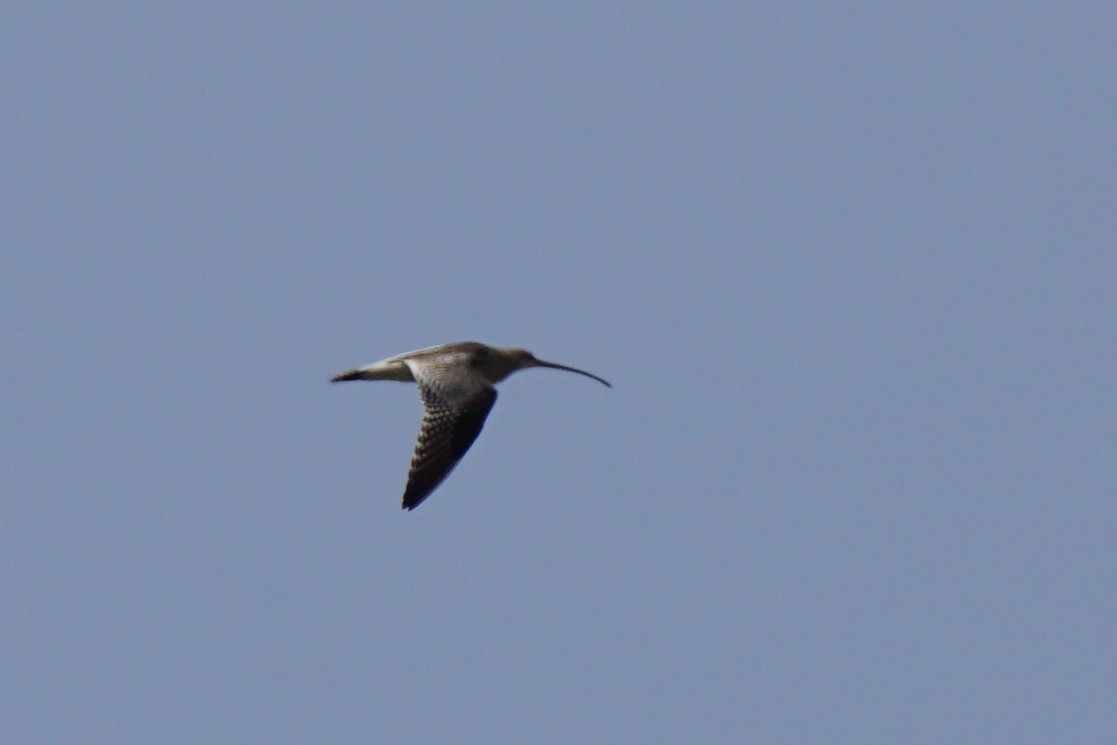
point(355, 374)
point(392, 370)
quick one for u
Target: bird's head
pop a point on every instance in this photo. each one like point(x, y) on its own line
point(520, 359)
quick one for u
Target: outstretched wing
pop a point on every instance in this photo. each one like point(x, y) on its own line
point(456, 401)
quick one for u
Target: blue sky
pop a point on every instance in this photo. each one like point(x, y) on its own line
point(850, 269)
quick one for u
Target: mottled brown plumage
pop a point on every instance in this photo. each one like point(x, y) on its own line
point(456, 387)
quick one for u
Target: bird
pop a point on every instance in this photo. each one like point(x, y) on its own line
point(456, 388)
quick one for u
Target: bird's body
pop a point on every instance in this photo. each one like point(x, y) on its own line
point(456, 387)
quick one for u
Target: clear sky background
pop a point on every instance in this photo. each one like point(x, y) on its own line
point(851, 268)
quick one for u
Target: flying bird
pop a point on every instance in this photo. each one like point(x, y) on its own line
point(456, 387)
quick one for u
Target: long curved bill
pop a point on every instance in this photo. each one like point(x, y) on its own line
point(556, 366)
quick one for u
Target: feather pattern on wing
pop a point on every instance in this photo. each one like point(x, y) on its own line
point(455, 406)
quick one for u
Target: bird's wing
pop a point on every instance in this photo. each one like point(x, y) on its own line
point(456, 400)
